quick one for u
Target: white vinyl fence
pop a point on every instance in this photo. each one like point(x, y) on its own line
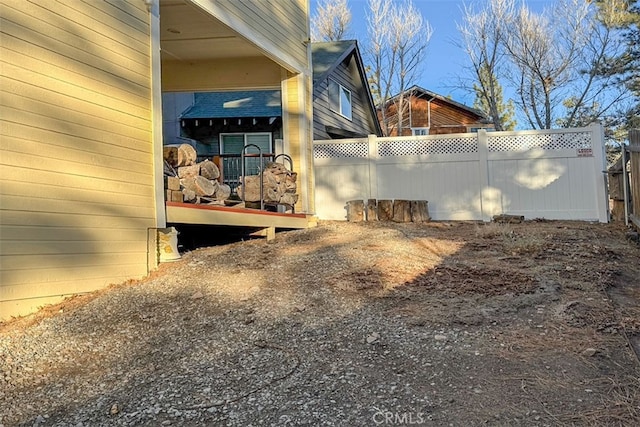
point(551, 174)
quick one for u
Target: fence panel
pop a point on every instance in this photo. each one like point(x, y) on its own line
point(341, 172)
point(553, 174)
point(546, 174)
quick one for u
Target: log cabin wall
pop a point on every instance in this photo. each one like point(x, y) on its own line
point(440, 116)
point(77, 193)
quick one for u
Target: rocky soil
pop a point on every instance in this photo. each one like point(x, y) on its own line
point(347, 324)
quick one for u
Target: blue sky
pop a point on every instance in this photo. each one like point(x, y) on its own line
point(444, 60)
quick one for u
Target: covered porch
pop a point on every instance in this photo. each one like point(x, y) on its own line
point(205, 49)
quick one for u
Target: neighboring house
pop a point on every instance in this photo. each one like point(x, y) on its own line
point(427, 113)
point(81, 169)
point(224, 122)
point(219, 121)
point(342, 103)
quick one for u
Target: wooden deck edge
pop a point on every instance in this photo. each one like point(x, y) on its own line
point(185, 213)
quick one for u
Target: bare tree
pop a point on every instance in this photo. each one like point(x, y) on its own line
point(556, 56)
point(482, 33)
point(553, 60)
point(331, 20)
point(398, 39)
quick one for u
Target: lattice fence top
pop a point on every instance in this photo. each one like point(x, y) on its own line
point(332, 151)
point(416, 147)
point(549, 141)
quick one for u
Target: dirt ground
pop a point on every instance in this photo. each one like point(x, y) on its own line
point(348, 324)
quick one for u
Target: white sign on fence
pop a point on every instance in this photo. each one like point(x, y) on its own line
point(552, 174)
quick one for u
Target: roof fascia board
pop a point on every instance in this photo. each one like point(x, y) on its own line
point(365, 84)
point(433, 95)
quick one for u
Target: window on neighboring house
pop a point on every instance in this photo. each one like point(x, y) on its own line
point(475, 130)
point(419, 131)
point(234, 143)
point(339, 99)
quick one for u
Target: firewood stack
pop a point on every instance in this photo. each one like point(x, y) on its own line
point(279, 185)
point(189, 181)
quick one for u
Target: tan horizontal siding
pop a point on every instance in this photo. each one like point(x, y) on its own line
point(86, 107)
point(50, 38)
point(31, 204)
point(93, 169)
point(105, 221)
point(36, 67)
point(77, 194)
point(71, 261)
point(39, 248)
point(29, 233)
point(22, 176)
point(84, 26)
point(118, 148)
point(283, 23)
point(68, 128)
point(110, 16)
point(69, 286)
point(60, 113)
point(42, 192)
point(38, 283)
point(139, 13)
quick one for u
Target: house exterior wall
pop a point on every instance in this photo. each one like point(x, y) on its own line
point(346, 74)
point(437, 115)
point(77, 193)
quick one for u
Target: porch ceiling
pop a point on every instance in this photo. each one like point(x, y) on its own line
point(189, 34)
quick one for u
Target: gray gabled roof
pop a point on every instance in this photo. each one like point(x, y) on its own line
point(325, 56)
point(257, 103)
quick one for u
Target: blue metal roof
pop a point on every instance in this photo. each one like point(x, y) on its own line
point(257, 103)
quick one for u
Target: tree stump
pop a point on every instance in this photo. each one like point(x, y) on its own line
point(419, 211)
point(385, 210)
point(372, 210)
point(355, 211)
point(401, 211)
